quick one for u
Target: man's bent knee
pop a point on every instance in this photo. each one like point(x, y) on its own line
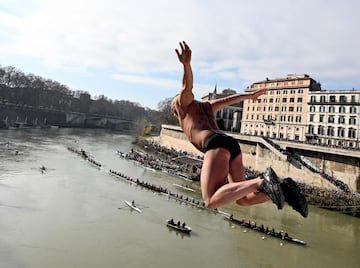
point(209, 203)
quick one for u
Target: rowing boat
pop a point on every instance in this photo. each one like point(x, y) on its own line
point(262, 229)
point(133, 206)
point(185, 229)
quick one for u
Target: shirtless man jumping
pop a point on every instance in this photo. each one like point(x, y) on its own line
point(222, 174)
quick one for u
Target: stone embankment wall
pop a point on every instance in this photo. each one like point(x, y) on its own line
point(259, 158)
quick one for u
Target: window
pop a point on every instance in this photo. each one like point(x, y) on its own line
point(352, 98)
point(291, 108)
point(283, 99)
point(300, 90)
point(299, 99)
point(341, 132)
point(322, 109)
point(311, 129)
point(352, 120)
point(312, 108)
point(331, 119)
point(322, 98)
point(341, 120)
point(352, 133)
point(321, 130)
point(321, 118)
point(292, 99)
point(271, 100)
point(330, 131)
point(313, 99)
point(276, 108)
point(331, 109)
point(299, 108)
point(311, 118)
point(298, 118)
point(342, 98)
point(342, 109)
point(277, 100)
point(270, 108)
point(283, 108)
point(290, 118)
point(353, 110)
point(332, 98)
point(231, 114)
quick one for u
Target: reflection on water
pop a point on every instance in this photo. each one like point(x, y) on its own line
point(69, 216)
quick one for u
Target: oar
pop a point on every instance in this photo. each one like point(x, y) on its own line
point(141, 206)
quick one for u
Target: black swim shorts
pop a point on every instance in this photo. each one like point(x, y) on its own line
point(218, 140)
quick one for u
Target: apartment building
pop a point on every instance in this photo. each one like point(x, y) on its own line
point(334, 118)
point(229, 118)
point(281, 113)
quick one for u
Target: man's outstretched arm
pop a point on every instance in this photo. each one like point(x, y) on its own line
point(236, 98)
point(186, 94)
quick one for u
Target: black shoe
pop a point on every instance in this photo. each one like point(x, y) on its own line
point(294, 197)
point(271, 187)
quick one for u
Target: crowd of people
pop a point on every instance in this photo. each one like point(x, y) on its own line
point(165, 164)
point(308, 164)
point(337, 200)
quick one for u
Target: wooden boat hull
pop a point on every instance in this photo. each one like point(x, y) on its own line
point(185, 229)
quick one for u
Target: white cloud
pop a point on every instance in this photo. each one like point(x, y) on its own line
point(234, 42)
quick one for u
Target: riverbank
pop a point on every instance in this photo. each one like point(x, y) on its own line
point(328, 198)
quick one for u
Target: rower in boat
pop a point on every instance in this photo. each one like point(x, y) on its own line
point(178, 226)
point(42, 169)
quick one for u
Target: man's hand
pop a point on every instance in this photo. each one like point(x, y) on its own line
point(258, 93)
point(185, 55)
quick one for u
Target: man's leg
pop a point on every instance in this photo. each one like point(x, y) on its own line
point(237, 174)
point(215, 191)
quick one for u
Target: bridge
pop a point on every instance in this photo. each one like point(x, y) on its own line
point(22, 114)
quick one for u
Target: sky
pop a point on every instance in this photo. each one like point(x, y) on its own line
point(125, 50)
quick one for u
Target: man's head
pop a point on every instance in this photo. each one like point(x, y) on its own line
point(174, 105)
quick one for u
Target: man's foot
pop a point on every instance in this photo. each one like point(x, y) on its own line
point(271, 187)
point(294, 197)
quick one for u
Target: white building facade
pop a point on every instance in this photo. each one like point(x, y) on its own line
point(334, 118)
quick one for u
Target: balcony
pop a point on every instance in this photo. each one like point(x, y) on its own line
point(269, 122)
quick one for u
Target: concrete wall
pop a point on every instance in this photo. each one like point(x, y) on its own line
point(258, 157)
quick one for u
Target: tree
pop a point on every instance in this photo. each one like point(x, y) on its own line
point(165, 113)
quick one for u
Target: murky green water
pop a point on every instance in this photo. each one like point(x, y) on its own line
point(69, 216)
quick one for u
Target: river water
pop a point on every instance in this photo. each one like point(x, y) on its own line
point(74, 214)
